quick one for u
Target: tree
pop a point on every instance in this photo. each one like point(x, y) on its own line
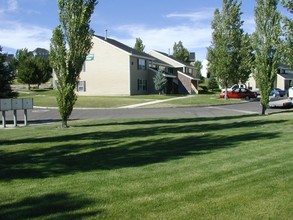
point(212, 83)
point(6, 77)
point(226, 54)
point(27, 71)
point(30, 70)
point(139, 45)
point(247, 58)
point(266, 43)
point(288, 32)
point(160, 81)
point(197, 73)
point(180, 52)
point(70, 43)
point(44, 72)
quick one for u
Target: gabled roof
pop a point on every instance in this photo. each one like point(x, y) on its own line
point(286, 76)
point(125, 48)
point(174, 59)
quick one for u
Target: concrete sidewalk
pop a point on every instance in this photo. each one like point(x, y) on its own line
point(152, 102)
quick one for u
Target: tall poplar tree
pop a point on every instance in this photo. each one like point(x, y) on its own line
point(139, 45)
point(288, 32)
point(267, 45)
point(228, 52)
point(70, 43)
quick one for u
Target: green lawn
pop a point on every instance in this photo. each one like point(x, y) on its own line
point(236, 167)
point(47, 98)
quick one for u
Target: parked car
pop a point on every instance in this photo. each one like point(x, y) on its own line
point(277, 92)
point(235, 86)
point(290, 93)
point(240, 93)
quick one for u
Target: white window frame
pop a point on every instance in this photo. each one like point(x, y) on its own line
point(81, 86)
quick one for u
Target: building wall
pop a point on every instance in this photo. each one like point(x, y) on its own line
point(184, 84)
point(108, 72)
point(280, 82)
point(138, 77)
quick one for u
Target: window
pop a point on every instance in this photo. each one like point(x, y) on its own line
point(141, 64)
point(81, 86)
point(144, 85)
point(141, 85)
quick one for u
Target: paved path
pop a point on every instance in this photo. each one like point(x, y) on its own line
point(153, 102)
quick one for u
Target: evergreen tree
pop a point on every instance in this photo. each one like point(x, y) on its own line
point(266, 43)
point(71, 42)
point(288, 32)
point(6, 77)
point(139, 45)
point(180, 52)
point(160, 81)
point(226, 54)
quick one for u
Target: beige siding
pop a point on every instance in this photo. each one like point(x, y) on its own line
point(108, 72)
point(280, 82)
point(251, 83)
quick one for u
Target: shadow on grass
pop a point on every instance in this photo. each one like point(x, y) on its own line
point(54, 206)
point(129, 145)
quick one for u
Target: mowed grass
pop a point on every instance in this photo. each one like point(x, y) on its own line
point(47, 98)
point(237, 167)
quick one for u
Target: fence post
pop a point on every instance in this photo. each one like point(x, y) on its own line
point(15, 118)
point(3, 119)
point(25, 117)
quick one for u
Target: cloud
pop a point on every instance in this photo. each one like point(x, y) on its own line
point(202, 15)
point(249, 24)
point(195, 34)
point(12, 5)
point(8, 6)
point(15, 35)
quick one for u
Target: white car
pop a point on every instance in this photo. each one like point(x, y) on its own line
point(235, 86)
point(290, 93)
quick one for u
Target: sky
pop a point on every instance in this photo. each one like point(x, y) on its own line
point(158, 23)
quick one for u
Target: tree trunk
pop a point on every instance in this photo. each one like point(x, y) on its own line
point(64, 123)
point(263, 109)
point(226, 90)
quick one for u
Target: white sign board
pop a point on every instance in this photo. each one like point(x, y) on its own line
point(16, 104)
point(27, 103)
point(5, 104)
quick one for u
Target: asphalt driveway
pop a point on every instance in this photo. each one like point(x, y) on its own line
point(45, 115)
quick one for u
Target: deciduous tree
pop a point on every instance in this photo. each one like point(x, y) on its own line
point(70, 43)
point(266, 44)
point(197, 68)
point(30, 70)
point(180, 52)
point(139, 45)
point(226, 55)
point(288, 32)
point(44, 72)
